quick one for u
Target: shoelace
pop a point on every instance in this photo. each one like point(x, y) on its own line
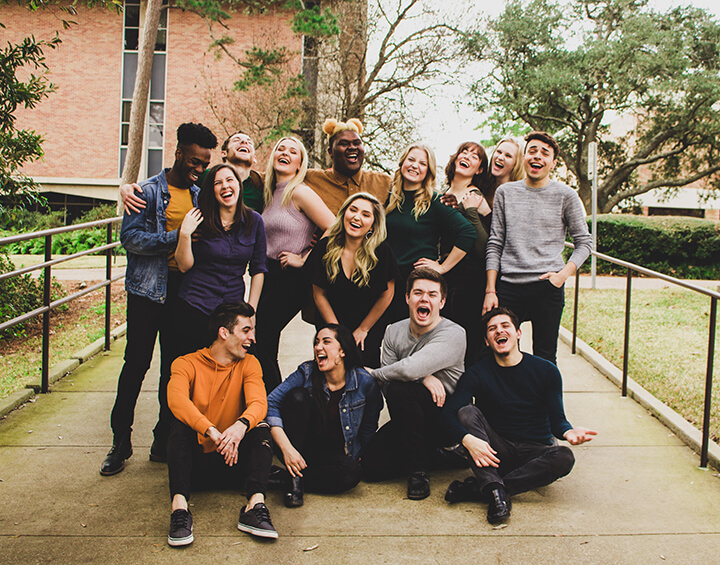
point(180, 520)
point(262, 513)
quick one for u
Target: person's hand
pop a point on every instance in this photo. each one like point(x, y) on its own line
point(576, 436)
point(482, 454)
point(359, 334)
point(190, 222)
point(230, 440)
point(214, 434)
point(290, 260)
point(490, 302)
point(436, 388)
point(474, 199)
point(449, 200)
point(556, 279)
point(131, 202)
point(294, 461)
point(425, 262)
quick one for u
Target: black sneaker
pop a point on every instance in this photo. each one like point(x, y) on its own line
point(181, 528)
point(256, 521)
point(418, 485)
point(115, 459)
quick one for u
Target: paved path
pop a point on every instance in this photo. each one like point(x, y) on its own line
point(635, 496)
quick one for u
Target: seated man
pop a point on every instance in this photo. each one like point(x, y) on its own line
point(422, 359)
point(508, 432)
point(218, 397)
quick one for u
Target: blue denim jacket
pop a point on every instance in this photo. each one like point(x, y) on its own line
point(144, 237)
point(360, 404)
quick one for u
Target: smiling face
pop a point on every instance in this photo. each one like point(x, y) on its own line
point(287, 158)
point(240, 150)
point(240, 339)
point(414, 169)
point(347, 153)
point(539, 161)
point(190, 162)
point(358, 219)
point(502, 336)
point(468, 163)
point(328, 352)
point(226, 187)
point(503, 160)
point(424, 302)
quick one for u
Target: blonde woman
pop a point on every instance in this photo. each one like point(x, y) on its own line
point(353, 274)
point(292, 214)
point(417, 220)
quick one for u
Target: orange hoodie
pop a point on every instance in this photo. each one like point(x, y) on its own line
point(203, 393)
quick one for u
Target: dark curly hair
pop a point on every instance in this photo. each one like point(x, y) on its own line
point(189, 133)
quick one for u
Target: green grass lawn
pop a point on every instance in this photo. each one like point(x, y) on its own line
point(668, 343)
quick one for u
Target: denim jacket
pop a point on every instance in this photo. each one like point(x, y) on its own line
point(360, 404)
point(144, 237)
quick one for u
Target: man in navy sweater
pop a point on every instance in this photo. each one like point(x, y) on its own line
point(509, 432)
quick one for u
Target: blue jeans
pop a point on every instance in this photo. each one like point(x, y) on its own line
point(542, 304)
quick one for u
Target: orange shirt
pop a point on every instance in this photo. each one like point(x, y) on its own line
point(334, 188)
point(202, 393)
point(179, 205)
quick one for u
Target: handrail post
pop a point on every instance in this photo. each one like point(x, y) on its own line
point(626, 346)
point(45, 379)
point(575, 310)
point(708, 384)
point(108, 288)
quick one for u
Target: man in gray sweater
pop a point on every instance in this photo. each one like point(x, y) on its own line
point(527, 235)
point(422, 360)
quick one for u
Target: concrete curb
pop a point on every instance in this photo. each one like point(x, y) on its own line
point(688, 433)
point(58, 371)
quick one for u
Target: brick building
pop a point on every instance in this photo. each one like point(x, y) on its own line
point(84, 123)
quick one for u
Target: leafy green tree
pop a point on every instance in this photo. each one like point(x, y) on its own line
point(572, 68)
point(23, 84)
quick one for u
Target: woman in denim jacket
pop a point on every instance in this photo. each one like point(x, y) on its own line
point(323, 415)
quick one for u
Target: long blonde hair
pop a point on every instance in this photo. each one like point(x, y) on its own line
point(518, 170)
point(365, 256)
point(424, 195)
point(270, 178)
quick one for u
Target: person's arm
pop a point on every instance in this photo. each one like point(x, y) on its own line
point(258, 261)
point(293, 459)
point(371, 413)
point(183, 251)
point(454, 226)
point(577, 436)
point(323, 305)
point(554, 402)
point(136, 238)
point(309, 203)
point(275, 399)
point(464, 393)
point(378, 309)
point(256, 285)
point(178, 395)
point(131, 202)
point(491, 299)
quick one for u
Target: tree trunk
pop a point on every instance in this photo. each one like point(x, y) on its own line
point(136, 135)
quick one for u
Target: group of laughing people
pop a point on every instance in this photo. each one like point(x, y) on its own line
point(417, 298)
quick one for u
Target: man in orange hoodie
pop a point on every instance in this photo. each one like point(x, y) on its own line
point(218, 398)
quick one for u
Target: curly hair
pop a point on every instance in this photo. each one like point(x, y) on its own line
point(424, 195)
point(189, 133)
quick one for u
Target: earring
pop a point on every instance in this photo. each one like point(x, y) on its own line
point(368, 234)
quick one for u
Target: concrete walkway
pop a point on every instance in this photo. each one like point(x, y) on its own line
point(635, 495)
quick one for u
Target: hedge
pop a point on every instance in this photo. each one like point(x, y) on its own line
point(687, 248)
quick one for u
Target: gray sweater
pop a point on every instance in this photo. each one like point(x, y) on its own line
point(527, 233)
point(439, 352)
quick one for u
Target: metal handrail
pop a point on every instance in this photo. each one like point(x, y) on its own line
point(47, 265)
point(713, 295)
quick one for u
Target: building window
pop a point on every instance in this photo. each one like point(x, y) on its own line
point(155, 117)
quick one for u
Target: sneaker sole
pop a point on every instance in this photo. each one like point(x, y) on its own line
point(422, 496)
point(272, 534)
point(179, 542)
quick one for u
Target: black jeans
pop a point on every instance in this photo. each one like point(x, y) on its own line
point(542, 304)
point(523, 465)
point(408, 441)
point(328, 472)
point(284, 294)
point(190, 469)
point(464, 307)
point(145, 319)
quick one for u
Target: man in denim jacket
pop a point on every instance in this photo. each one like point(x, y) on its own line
point(152, 280)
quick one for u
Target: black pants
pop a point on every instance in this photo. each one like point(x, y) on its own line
point(523, 465)
point(190, 469)
point(408, 441)
point(284, 294)
point(145, 319)
point(464, 307)
point(328, 472)
point(542, 304)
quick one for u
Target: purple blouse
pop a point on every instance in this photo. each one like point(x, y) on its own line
point(220, 263)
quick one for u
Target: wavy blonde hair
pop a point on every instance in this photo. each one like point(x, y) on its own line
point(365, 257)
point(271, 179)
point(518, 171)
point(424, 195)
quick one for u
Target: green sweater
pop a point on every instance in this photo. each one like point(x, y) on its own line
point(411, 239)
